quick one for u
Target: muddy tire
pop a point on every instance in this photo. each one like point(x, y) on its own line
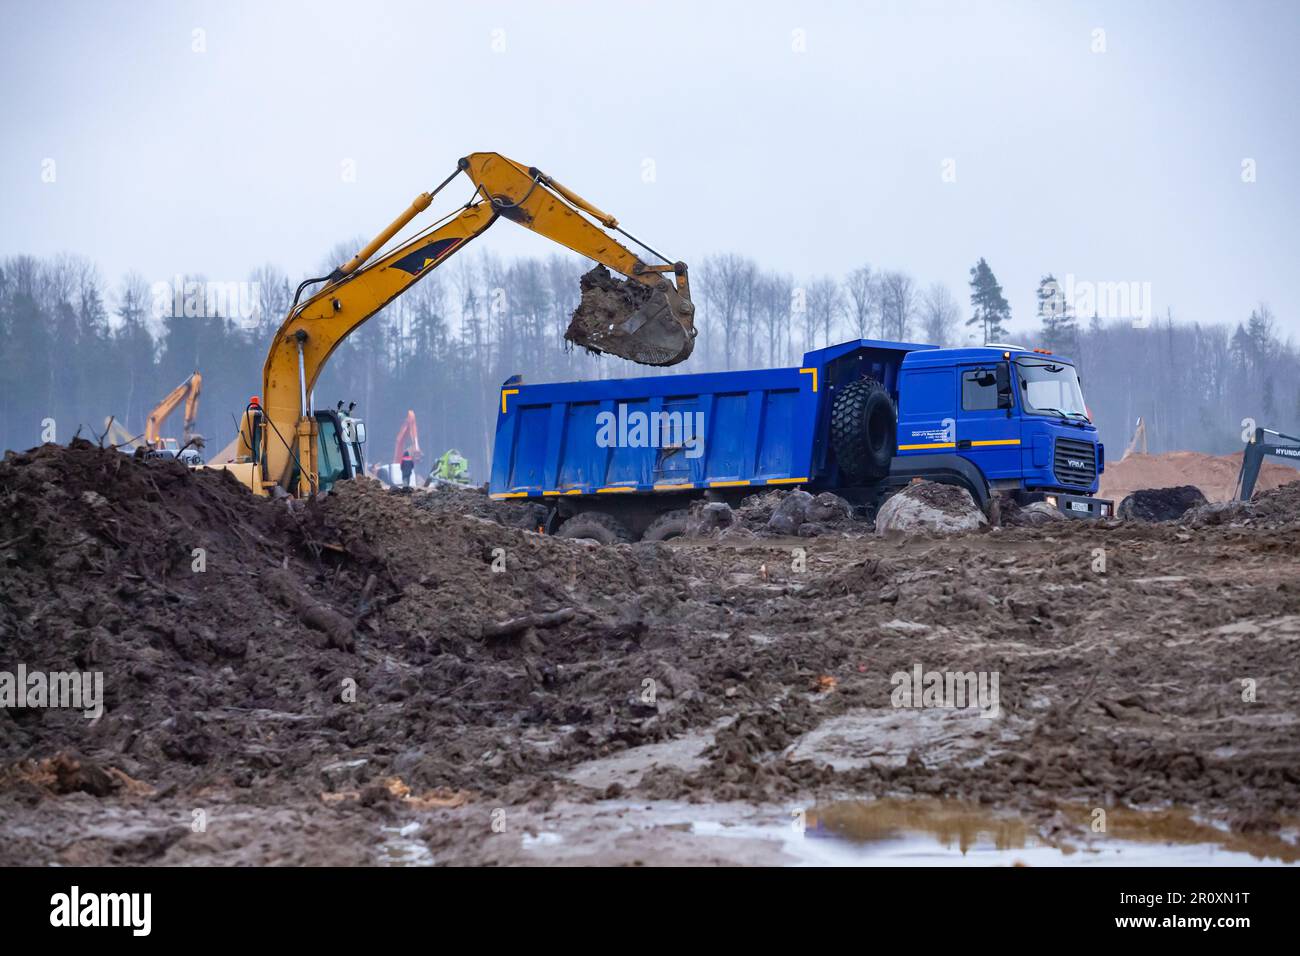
point(670, 525)
point(594, 526)
point(864, 424)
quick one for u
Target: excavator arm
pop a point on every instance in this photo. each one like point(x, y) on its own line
point(188, 392)
point(659, 332)
point(408, 436)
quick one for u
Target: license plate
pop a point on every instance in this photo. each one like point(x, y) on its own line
point(1078, 506)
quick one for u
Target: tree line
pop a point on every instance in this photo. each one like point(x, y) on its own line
point(75, 349)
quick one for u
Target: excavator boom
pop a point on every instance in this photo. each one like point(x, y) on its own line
point(658, 330)
point(188, 392)
point(408, 437)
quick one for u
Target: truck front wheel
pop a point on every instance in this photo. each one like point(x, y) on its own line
point(864, 423)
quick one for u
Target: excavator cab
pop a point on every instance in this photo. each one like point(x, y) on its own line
point(339, 438)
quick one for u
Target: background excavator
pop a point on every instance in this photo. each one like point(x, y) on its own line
point(408, 437)
point(188, 392)
point(285, 442)
point(1263, 442)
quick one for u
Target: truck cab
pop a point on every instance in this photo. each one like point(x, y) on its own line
point(1014, 416)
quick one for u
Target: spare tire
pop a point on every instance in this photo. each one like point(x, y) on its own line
point(864, 425)
point(595, 526)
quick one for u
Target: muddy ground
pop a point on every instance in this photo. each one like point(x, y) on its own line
point(382, 676)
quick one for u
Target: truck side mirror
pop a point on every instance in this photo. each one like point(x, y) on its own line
point(1004, 386)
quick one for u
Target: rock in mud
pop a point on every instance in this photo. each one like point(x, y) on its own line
point(1031, 515)
point(828, 509)
point(708, 518)
point(927, 506)
point(1160, 504)
point(756, 510)
point(790, 513)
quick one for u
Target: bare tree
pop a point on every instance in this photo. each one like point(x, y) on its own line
point(774, 292)
point(863, 288)
point(825, 306)
point(897, 304)
point(728, 281)
point(939, 315)
point(272, 298)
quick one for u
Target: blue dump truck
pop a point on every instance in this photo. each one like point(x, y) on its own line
point(622, 459)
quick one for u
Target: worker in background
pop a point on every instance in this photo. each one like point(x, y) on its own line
point(452, 466)
point(408, 465)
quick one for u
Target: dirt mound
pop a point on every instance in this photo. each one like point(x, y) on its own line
point(1276, 508)
point(453, 499)
point(1214, 475)
point(1160, 504)
point(366, 625)
point(928, 506)
point(195, 600)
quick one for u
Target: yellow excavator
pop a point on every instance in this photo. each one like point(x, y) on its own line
point(187, 392)
point(284, 442)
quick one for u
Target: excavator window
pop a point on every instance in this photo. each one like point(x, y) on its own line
point(333, 467)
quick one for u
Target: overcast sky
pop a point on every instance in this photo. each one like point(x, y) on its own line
point(812, 137)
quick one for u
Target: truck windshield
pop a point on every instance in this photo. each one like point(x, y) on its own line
point(1050, 388)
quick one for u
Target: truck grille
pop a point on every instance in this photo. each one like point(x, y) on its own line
point(1075, 462)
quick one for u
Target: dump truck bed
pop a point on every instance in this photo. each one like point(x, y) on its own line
point(659, 433)
point(672, 432)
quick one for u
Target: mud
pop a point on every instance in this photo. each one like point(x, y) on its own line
point(606, 303)
point(378, 677)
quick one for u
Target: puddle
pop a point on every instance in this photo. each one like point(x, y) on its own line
point(938, 832)
point(401, 846)
point(862, 833)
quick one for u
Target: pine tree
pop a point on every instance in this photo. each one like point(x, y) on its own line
point(991, 308)
point(1060, 330)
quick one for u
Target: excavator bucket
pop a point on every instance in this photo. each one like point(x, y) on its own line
point(646, 324)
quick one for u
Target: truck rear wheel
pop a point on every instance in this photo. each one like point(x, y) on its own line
point(594, 526)
point(864, 424)
point(670, 525)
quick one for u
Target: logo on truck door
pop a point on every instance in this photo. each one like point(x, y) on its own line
point(945, 436)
